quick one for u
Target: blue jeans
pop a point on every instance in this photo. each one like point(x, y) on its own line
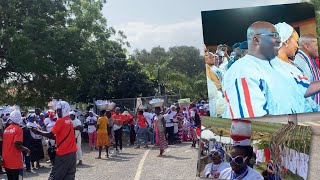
point(142, 132)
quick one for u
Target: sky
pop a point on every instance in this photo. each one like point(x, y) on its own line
point(168, 23)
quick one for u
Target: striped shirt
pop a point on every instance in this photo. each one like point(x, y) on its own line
point(310, 68)
point(254, 88)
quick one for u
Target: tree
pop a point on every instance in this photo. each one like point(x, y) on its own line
point(181, 70)
point(63, 49)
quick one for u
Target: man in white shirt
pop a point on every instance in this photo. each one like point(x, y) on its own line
point(77, 126)
point(239, 158)
point(92, 121)
point(149, 118)
point(169, 124)
point(213, 170)
point(252, 86)
point(305, 59)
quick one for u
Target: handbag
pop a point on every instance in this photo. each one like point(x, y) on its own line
point(52, 149)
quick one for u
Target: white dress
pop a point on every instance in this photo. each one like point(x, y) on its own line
point(298, 84)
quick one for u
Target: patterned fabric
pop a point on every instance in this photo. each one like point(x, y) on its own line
point(310, 68)
point(162, 143)
point(255, 87)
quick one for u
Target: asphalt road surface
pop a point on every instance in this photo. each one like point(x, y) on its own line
point(180, 162)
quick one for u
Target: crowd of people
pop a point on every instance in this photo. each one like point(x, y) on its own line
point(273, 66)
point(59, 134)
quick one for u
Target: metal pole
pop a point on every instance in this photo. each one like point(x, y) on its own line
point(159, 90)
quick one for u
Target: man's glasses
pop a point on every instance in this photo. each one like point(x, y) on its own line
point(214, 153)
point(239, 160)
point(273, 34)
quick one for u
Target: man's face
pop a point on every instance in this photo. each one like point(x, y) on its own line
point(59, 113)
point(268, 43)
point(37, 112)
point(90, 114)
point(235, 167)
point(244, 52)
point(216, 159)
point(212, 59)
point(72, 117)
point(237, 52)
point(312, 48)
point(118, 111)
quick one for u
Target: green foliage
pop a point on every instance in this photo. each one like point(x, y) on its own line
point(180, 70)
point(63, 49)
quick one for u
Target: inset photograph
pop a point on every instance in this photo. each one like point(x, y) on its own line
point(232, 149)
point(262, 60)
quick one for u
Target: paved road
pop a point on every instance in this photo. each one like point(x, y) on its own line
point(133, 164)
point(312, 120)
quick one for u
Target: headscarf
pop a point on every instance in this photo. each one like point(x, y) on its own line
point(72, 113)
point(65, 108)
point(15, 116)
point(284, 30)
point(31, 116)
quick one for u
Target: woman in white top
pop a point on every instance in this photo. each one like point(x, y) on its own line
point(36, 142)
point(213, 170)
point(239, 158)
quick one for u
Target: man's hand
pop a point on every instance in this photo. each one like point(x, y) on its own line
point(28, 151)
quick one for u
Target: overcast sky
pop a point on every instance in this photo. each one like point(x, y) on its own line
point(168, 23)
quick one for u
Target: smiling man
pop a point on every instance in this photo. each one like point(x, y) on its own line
point(239, 158)
point(252, 86)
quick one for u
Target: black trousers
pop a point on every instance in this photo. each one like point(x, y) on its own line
point(132, 134)
point(65, 167)
point(13, 174)
point(170, 132)
point(118, 138)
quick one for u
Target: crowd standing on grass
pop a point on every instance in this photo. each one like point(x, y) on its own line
point(55, 136)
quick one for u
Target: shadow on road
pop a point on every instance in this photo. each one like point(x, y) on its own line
point(174, 157)
point(37, 172)
point(84, 166)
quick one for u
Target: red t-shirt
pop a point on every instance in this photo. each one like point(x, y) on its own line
point(129, 117)
point(202, 114)
point(120, 118)
point(12, 156)
point(61, 130)
point(142, 121)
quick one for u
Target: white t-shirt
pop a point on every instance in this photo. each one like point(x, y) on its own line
point(76, 122)
point(214, 168)
point(34, 136)
point(252, 174)
point(149, 117)
point(50, 125)
point(169, 117)
point(92, 128)
point(46, 121)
